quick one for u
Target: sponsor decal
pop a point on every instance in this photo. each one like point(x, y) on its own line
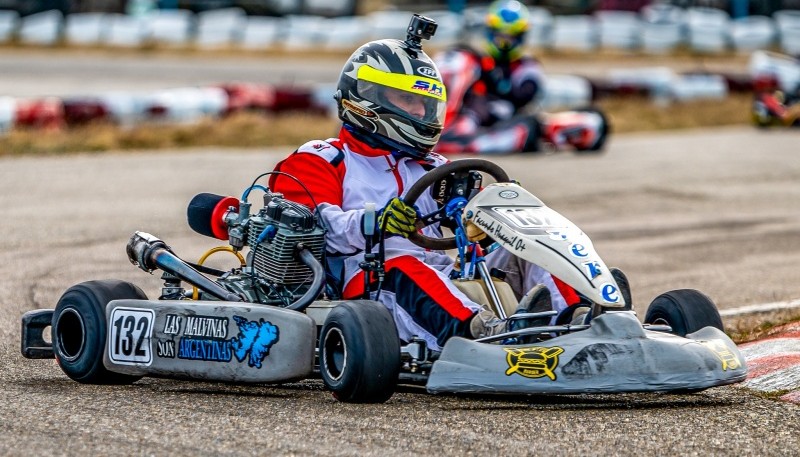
point(165, 349)
point(509, 194)
point(530, 220)
point(427, 71)
point(254, 340)
point(592, 269)
point(172, 324)
point(206, 349)
point(357, 109)
point(578, 250)
point(206, 338)
point(729, 360)
point(206, 327)
point(498, 234)
point(533, 362)
point(609, 292)
point(434, 89)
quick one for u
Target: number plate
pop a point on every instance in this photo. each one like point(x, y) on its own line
point(130, 331)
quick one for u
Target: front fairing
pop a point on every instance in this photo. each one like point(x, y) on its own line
point(526, 227)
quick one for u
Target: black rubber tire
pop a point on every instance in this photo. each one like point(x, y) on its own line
point(79, 330)
point(359, 352)
point(685, 310)
point(605, 129)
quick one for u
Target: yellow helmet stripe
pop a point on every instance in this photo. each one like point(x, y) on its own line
point(422, 85)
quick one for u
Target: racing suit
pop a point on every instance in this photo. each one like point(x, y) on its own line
point(341, 175)
point(484, 97)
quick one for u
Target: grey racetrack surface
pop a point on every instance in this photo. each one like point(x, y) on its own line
point(715, 210)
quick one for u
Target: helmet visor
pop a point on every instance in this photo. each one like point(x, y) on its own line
point(417, 98)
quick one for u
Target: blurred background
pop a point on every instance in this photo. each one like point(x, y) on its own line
point(736, 8)
point(650, 64)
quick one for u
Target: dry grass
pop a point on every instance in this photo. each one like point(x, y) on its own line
point(636, 114)
point(241, 130)
point(630, 114)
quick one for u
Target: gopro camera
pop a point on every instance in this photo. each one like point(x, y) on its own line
point(420, 28)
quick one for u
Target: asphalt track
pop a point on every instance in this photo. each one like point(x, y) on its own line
point(715, 210)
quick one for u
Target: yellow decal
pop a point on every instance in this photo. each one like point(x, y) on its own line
point(414, 84)
point(729, 360)
point(533, 362)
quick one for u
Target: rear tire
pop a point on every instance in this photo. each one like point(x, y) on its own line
point(79, 330)
point(685, 310)
point(359, 352)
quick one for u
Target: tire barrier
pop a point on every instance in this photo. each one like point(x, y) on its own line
point(658, 28)
point(185, 105)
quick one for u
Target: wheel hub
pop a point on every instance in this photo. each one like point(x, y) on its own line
point(70, 334)
point(334, 354)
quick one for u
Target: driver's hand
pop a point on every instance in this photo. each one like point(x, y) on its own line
point(398, 218)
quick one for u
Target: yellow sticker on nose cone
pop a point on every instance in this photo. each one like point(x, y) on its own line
point(533, 362)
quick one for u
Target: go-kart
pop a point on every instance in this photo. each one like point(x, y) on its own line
point(503, 127)
point(582, 130)
point(775, 109)
point(276, 316)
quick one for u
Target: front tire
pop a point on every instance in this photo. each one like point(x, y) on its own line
point(359, 352)
point(79, 330)
point(685, 310)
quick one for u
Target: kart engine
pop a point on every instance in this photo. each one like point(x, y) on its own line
point(276, 235)
point(273, 236)
point(284, 261)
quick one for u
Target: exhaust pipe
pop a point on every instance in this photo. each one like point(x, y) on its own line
point(150, 253)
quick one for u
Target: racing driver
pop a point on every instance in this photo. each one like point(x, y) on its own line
point(391, 101)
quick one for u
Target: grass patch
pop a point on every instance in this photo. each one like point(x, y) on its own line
point(753, 327)
point(636, 114)
point(626, 114)
point(239, 130)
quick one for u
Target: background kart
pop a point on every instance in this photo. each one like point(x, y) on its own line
point(267, 322)
point(774, 108)
point(506, 130)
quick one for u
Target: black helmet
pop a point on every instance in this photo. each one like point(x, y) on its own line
point(393, 91)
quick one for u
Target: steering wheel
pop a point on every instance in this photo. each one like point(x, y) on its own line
point(435, 176)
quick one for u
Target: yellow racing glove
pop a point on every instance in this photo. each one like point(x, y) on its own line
point(398, 218)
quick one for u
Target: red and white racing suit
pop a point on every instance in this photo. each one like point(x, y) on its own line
point(343, 174)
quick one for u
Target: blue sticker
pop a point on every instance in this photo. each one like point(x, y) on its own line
point(254, 340)
point(424, 86)
point(593, 269)
point(205, 349)
point(610, 293)
point(204, 337)
point(578, 250)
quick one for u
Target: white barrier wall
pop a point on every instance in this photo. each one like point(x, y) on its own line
point(659, 28)
point(9, 21)
point(8, 109)
point(43, 29)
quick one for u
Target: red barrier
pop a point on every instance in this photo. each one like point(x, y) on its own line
point(78, 111)
point(243, 97)
point(46, 113)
